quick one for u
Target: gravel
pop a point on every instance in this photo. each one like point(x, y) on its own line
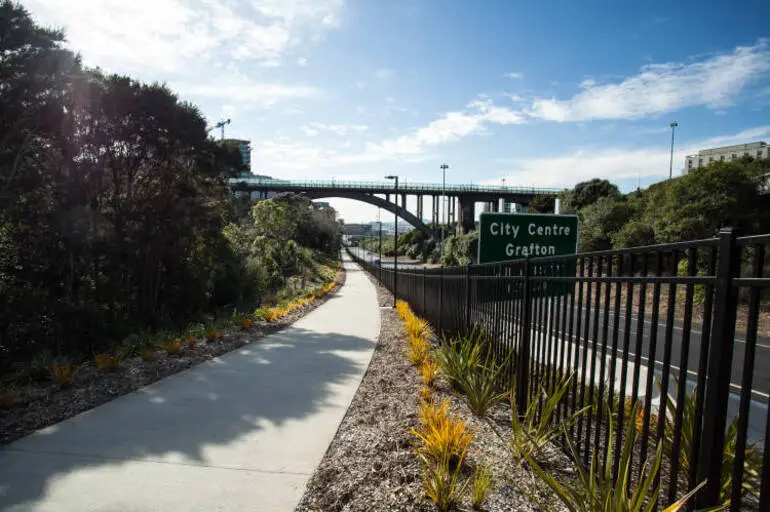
point(371, 466)
point(46, 403)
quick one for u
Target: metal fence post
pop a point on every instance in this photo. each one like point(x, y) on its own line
point(720, 361)
point(424, 304)
point(440, 298)
point(468, 298)
point(522, 377)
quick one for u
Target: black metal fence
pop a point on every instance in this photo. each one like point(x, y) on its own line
point(680, 328)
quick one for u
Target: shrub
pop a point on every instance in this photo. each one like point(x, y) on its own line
point(480, 388)
point(416, 327)
point(148, 353)
point(212, 333)
point(132, 345)
point(63, 372)
point(191, 340)
point(459, 357)
point(107, 362)
point(428, 370)
point(441, 481)
point(597, 491)
point(481, 485)
point(418, 350)
point(172, 347)
point(9, 398)
point(442, 436)
point(403, 309)
point(752, 466)
point(530, 435)
point(270, 314)
point(426, 394)
point(242, 320)
point(36, 369)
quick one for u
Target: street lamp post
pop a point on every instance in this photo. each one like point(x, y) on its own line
point(673, 126)
point(395, 246)
point(444, 167)
point(379, 269)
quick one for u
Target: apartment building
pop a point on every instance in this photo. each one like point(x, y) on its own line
point(757, 150)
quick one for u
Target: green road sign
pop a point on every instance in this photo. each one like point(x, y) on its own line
point(513, 236)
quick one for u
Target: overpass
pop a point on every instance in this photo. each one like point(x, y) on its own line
point(461, 199)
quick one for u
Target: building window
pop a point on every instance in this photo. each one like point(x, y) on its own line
point(722, 158)
point(759, 154)
point(733, 156)
point(700, 162)
point(689, 164)
point(746, 153)
point(711, 159)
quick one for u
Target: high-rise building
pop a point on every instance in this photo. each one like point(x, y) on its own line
point(245, 148)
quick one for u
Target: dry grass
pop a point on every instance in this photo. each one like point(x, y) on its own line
point(63, 373)
point(107, 362)
point(442, 437)
point(173, 347)
point(428, 371)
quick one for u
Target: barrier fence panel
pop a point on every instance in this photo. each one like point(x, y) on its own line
point(681, 330)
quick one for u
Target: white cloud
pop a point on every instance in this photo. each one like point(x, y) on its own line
point(514, 75)
point(361, 84)
point(412, 147)
point(338, 129)
point(302, 62)
point(245, 92)
point(172, 35)
point(714, 82)
point(614, 163)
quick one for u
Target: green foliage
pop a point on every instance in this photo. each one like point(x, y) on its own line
point(599, 221)
point(529, 435)
point(542, 204)
point(460, 249)
point(752, 469)
point(35, 369)
point(481, 485)
point(115, 215)
point(459, 357)
point(595, 490)
point(634, 233)
point(587, 193)
point(442, 483)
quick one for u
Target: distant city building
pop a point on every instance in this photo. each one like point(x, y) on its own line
point(756, 150)
point(245, 148)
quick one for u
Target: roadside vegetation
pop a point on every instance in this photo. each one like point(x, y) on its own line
point(442, 440)
point(119, 237)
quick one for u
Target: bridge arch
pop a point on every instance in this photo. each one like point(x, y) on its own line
point(375, 201)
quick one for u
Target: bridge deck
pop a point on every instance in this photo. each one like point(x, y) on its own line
point(386, 187)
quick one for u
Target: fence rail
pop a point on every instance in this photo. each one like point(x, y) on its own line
point(681, 329)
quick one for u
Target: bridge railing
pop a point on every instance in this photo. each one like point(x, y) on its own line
point(386, 187)
point(682, 329)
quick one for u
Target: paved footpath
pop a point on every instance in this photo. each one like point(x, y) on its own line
point(241, 432)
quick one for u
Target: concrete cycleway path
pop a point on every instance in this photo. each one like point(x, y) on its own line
point(243, 431)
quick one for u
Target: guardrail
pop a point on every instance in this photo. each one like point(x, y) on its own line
point(681, 323)
point(386, 187)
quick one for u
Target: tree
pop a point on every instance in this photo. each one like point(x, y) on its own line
point(599, 221)
point(588, 192)
point(543, 203)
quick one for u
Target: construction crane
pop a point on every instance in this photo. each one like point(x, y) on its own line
point(221, 125)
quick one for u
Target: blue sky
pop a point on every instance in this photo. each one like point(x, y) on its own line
point(538, 93)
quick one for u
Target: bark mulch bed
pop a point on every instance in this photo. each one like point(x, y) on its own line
point(371, 466)
point(45, 403)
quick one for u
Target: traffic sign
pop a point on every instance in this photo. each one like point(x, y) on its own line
point(514, 236)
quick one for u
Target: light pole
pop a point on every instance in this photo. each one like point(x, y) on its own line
point(379, 267)
point(395, 246)
point(444, 167)
point(673, 126)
